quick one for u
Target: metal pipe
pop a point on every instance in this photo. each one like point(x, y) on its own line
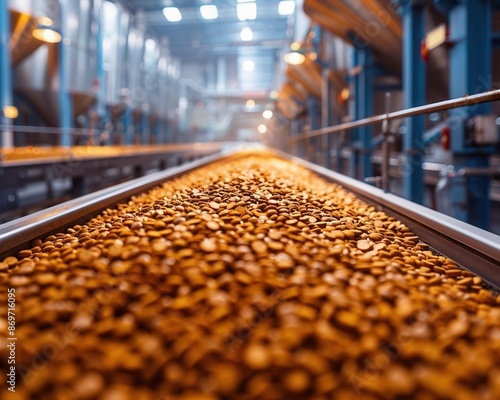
point(478, 171)
point(480, 98)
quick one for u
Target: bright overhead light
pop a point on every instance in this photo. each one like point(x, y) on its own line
point(273, 95)
point(268, 114)
point(295, 46)
point(345, 94)
point(246, 34)
point(250, 104)
point(246, 11)
point(294, 58)
point(262, 129)
point(45, 21)
point(286, 7)
point(47, 35)
point(172, 14)
point(10, 112)
point(248, 65)
point(209, 11)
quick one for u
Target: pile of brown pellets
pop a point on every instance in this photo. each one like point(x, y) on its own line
point(247, 279)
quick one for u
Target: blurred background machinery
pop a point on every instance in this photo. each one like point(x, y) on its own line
point(94, 92)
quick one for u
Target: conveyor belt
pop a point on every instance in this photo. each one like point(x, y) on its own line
point(248, 276)
point(25, 156)
point(473, 248)
point(82, 169)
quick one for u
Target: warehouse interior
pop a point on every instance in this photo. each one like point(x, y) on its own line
point(259, 199)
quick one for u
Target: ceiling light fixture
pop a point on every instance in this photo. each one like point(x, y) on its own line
point(248, 65)
point(262, 129)
point(172, 14)
point(10, 112)
point(246, 34)
point(209, 11)
point(45, 31)
point(268, 114)
point(286, 7)
point(47, 35)
point(250, 104)
point(246, 11)
point(294, 58)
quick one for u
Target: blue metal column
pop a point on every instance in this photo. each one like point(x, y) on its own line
point(6, 98)
point(361, 165)
point(128, 125)
point(102, 112)
point(327, 114)
point(414, 95)
point(144, 128)
point(314, 123)
point(352, 137)
point(470, 73)
point(313, 103)
point(364, 83)
point(158, 130)
point(65, 101)
point(108, 127)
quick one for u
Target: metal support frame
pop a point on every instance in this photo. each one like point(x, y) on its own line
point(414, 95)
point(6, 97)
point(363, 107)
point(470, 72)
point(65, 101)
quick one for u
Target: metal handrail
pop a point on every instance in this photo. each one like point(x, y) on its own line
point(486, 97)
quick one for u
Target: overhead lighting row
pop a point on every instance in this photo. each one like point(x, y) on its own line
point(245, 9)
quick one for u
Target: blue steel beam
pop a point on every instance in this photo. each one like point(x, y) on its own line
point(65, 101)
point(364, 106)
point(128, 126)
point(6, 97)
point(314, 123)
point(414, 95)
point(360, 165)
point(144, 123)
point(102, 112)
point(470, 73)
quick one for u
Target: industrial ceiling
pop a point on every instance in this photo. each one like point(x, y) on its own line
point(196, 38)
